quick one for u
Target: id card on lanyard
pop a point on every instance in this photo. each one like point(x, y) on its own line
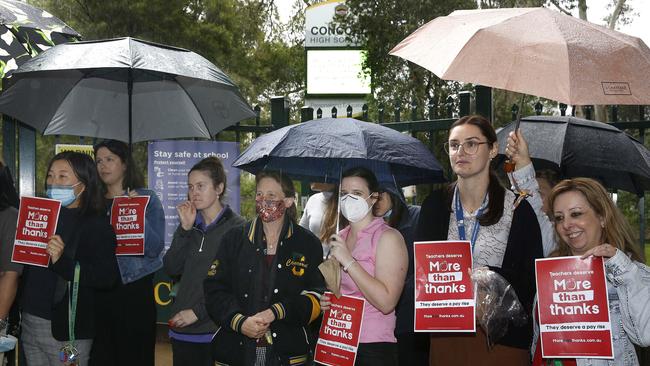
point(460, 219)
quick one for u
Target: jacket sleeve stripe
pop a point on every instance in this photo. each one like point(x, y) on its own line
point(315, 307)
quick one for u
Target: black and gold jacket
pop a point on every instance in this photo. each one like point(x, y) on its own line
point(234, 290)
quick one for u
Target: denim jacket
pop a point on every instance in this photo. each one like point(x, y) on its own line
point(628, 290)
point(134, 267)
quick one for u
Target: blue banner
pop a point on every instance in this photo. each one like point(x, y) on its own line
point(169, 163)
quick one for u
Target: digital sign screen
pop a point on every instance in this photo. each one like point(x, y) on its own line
point(336, 72)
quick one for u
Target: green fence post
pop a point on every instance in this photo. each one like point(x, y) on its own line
point(463, 103)
point(26, 160)
point(279, 112)
point(484, 102)
point(9, 144)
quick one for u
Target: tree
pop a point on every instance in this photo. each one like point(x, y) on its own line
point(243, 37)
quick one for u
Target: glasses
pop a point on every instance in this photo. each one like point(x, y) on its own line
point(469, 147)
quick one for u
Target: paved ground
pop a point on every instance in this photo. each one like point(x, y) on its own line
point(163, 347)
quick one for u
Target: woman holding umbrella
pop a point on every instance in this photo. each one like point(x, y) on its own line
point(503, 232)
point(264, 284)
point(127, 313)
point(374, 260)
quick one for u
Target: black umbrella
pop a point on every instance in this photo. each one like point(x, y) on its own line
point(26, 31)
point(319, 150)
point(124, 89)
point(583, 148)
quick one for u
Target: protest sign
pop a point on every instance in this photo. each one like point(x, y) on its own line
point(338, 339)
point(573, 310)
point(444, 294)
point(128, 221)
point(37, 218)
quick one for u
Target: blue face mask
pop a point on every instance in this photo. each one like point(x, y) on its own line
point(65, 194)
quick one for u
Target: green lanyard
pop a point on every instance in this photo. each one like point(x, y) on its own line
point(72, 304)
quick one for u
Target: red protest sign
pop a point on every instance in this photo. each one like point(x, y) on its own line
point(127, 219)
point(339, 332)
point(37, 218)
point(444, 294)
point(573, 310)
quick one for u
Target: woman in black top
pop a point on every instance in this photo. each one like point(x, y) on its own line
point(83, 236)
point(504, 236)
point(263, 287)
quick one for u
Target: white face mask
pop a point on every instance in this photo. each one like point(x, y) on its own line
point(354, 208)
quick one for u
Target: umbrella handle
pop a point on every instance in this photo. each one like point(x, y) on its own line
point(509, 165)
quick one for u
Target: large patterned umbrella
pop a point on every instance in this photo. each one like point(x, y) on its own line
point(25, 31)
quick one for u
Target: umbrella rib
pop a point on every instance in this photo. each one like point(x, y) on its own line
point(61, 103)
point(203, 119)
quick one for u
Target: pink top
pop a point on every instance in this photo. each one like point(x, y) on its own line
point(376, 327)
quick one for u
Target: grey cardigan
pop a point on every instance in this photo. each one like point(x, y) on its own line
point(189, 257)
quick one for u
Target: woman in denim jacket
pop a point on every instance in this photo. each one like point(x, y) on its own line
point(588, 223)
point(127, 313)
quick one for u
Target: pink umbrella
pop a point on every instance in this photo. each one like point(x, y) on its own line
point(534, 51)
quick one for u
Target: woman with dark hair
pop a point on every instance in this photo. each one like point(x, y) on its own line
point(204, 219)
point(82, 254)
point(413, 348)
point(9, 271)
point(373, 260)
point(503, 233)
point(127, 313)
point(588, 223)
point(263, 286)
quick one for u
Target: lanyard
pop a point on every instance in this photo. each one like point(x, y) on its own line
point(460, 219)
point(72, 304)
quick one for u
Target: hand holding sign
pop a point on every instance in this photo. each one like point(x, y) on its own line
point(55, 248)
point(325, 302)
point(186, 214)
point(604, 250)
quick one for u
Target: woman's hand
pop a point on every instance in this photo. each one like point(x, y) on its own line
point(325, 302)
point(339, 250)
point(131, 192)
point(254, 327)
point(517, 149)
point(55, 248)
point(267, 316)
point(603, 250)
point(183, 318)
point(186, 214)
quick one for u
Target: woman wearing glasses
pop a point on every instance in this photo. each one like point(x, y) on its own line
point(503, 232)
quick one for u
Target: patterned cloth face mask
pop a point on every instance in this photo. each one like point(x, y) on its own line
point(269, 210)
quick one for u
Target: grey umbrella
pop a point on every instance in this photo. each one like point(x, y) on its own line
point(582, 148)
point(124, 89)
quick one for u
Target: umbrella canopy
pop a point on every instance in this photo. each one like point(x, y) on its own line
point(534, 51)
point(124, 89)
point(319, 150)
point(26, 31)
point(581, 148)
